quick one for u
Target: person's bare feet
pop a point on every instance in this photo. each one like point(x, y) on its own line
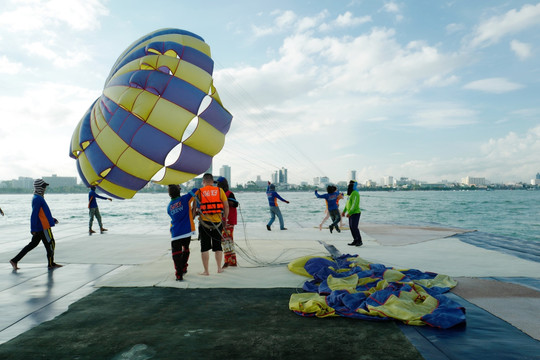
point(220, 270)
point(204, 273)
point(14, 264)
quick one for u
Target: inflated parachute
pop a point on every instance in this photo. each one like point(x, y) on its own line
point(154, 92)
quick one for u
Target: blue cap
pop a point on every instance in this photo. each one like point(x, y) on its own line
point(220, 179)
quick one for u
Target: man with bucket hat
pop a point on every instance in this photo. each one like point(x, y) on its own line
point(41, 222)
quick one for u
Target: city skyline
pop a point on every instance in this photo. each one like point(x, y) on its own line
point(423, 89)
point(227, 171)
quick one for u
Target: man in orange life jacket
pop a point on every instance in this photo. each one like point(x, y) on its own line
point(213, 210)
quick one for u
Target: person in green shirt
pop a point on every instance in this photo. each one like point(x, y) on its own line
point(353, 212)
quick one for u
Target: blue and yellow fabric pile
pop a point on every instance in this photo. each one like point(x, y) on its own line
point(349, 286)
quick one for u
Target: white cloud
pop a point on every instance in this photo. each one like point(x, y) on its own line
point(285, 19)
point(454, 28)
point(391, 7)
point(59, 57)
point(514, 145)
point(9, 67)
point(376, 62)
point(31, 16)
point(311, 22)
point(37, 126)
point(493, 85)
point(348, 19)
point(522, 50)
point(444, 116)
point(493, 29)
point(288, 21)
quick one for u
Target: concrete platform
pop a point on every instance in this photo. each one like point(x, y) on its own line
point(139, 256)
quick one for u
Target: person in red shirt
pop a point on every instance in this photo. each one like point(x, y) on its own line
point(228, 230)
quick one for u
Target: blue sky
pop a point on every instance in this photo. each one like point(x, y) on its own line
point(430, 90)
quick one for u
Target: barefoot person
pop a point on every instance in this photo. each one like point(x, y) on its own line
point(228, 229)
point(213, 210)
point(41, 222)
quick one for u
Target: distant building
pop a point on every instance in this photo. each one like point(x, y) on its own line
point(261, 183)
point(60, 181)
point(403, 181)
point(26, 183)
point(387, 181)
point(536, 181)
point(470, 181)
point(324, 180)
point(370, 183)
point(225, 171)
point(352, 175)
point(321, 181)
point(283, 176)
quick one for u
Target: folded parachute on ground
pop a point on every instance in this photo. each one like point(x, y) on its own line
point(159, 87)
point(352, 287)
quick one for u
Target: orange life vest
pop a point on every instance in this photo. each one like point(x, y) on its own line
point(210, 200)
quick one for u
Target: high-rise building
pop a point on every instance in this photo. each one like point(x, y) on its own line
point(225, 171)
point(275, 177)
point(352, 175)
point(283, 176)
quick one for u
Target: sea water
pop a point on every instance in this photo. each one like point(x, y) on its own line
point(513, 214)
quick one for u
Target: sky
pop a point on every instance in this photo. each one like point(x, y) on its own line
point(429, 90)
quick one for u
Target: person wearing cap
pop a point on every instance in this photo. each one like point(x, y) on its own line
point(41, 222)
point(182, 228)
point(93, 210)
point(213, 211)
point(332, 198)
point(273, 197)
point(228, 229)
point(352, 209)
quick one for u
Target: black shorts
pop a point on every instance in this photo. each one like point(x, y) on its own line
point(210, 236)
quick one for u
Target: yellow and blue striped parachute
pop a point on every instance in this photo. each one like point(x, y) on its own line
point(350, 286)
point(160, 85)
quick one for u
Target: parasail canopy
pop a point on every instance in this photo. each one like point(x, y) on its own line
point(158, 101)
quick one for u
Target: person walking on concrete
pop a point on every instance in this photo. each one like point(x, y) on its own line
point(41, 222)
point(93, 210)
point(273, 197)
point(332, 197)
point(352, 209)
